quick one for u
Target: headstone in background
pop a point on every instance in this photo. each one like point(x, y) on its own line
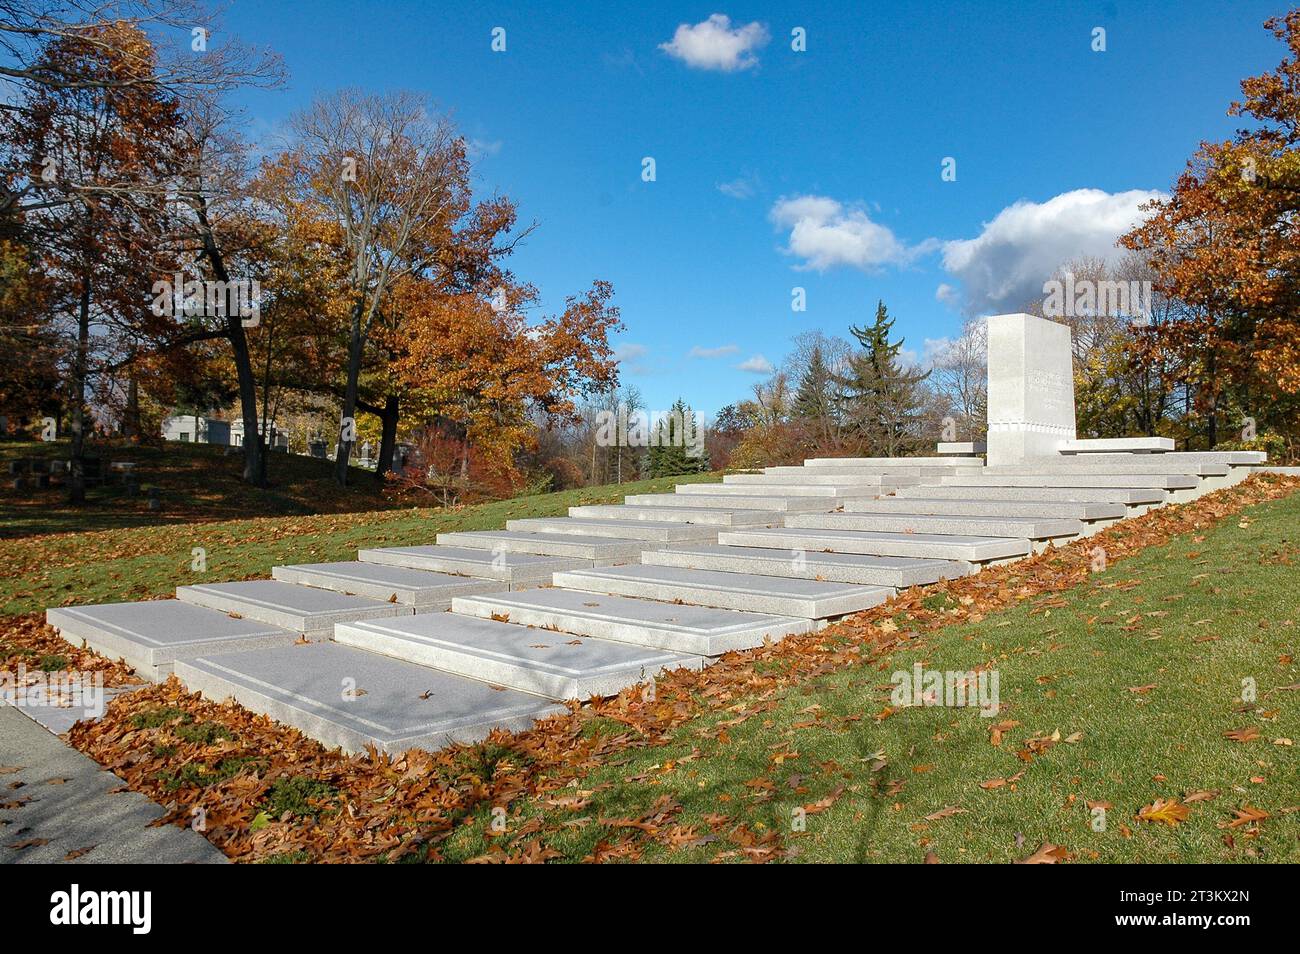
point(1030, 388)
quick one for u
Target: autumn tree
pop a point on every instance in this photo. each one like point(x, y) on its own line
point(1226, 244)
point(93, 154)
point(393, 178)
point(477, 369)
point(180, 62)
point(29, 377)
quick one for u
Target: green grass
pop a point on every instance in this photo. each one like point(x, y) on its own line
point(1191, 620)
point(298, 795)
point(140, 562)
point(196, 482)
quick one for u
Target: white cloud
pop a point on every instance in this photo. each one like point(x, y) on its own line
point(632, 357)
point(948, 295)
point(742, 188)
point(1006, 265)
point(719, 352)
point(756, 365)
point(826, 233)
point(630, 352)
point(713, 44)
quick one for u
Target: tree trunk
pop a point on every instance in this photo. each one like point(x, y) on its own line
point(349, 402)
point(388, 437)
point(254, 473)
point(77, 477)
point(131, 418)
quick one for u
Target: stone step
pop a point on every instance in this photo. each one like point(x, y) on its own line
point(780, 596)
point(347, 697)
point(512, 569)
point(652, 531)
point(421, 589)
point(304, 609)
point(898, 572)
point(962, 448)
point(591, 547)
point(1087, 466)
point(555, 665)
point(806, 479)
point(1076, 510)
point(907, 475)
point(1231, 458)
point(1030, 528)
point(934, 546)
point(1095, 445)
point(703, 515)
point(152, 635)
point(701, 630)
point(734, 502)
point(878, 461)
point(1125, 495)
point(776, 490)
point(1158, 481)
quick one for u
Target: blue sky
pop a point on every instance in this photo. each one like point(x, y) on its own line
point(774, 168)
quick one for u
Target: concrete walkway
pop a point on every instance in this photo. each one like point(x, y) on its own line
point(57, 805)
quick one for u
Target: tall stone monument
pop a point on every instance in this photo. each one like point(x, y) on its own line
point(1030, 388)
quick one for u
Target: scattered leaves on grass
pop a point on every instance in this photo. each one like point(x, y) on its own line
point(391, 807)
point(1169, 812)
point(1248, 734)
point(1047, 854)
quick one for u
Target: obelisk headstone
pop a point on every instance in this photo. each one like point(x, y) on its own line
point(1030, 388)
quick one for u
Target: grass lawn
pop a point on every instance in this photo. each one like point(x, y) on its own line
point(142, 561)
point(196, 482)
point(1114, 695)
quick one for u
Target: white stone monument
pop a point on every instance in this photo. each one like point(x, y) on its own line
point(1030, 388)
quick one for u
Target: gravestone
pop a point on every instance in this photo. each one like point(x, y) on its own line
point(1030, 388)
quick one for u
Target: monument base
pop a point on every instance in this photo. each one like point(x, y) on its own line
point(1030, 388)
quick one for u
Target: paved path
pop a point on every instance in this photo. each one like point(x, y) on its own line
point(61, 803)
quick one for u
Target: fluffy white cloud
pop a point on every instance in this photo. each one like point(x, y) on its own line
point(719, 352)
point(756, 365)
point(1005, 266)
point(825, 233)
point(714, 44)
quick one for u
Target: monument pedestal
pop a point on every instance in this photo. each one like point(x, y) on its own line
point(1030, 388)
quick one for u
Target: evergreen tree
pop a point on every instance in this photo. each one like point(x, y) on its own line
point(814, 402)
point(675, 439)
point(882, 402)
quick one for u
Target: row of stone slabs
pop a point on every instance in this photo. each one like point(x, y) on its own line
point(557, 643)
point(607, 628)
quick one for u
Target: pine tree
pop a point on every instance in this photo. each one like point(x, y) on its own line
point(814, 403)
point(881, 401)
point(673, 442)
